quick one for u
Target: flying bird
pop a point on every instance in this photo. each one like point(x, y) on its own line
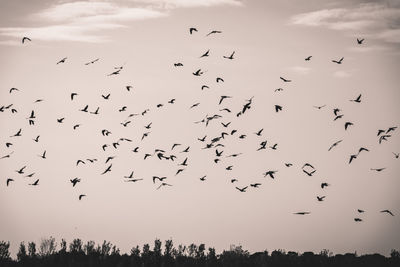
point(334, 144)
point(219, 80)
point(198, 72)
point(360, 41)
point(285, 80)
point(81, 196)
point(323, 185)
point(378, 169)
point(387, 211)
point(61, 61)
point(9, 180)
point(270, 173)
point(191, 30)
point(357, 219)
point(338, 61)
point(357, 100)
point(320, 198)
point(107, 170)
point(222, 98)
point(21, 171)
point(162, 185)
point(231, 56)
point(11, 90)
point(178, 64)
point(206, 54)
point(213, 32)
point(396, 155)
point(347, 124)
point(26, 39)
point(278, 108)
point(43, 156)
point(243, 189)
point(35, 183)
point(93, 61)
point(308, 58)
point(17, 134)
point(302, 213)
point(75, 181)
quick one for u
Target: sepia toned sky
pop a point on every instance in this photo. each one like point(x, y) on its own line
point(271, 39)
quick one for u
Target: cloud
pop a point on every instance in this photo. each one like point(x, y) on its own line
point(88, 21)
point(375, 20)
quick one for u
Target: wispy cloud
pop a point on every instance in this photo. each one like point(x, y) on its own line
point(375, 20)
point(87, 21)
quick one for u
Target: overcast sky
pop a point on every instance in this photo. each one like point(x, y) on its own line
point(271, 39)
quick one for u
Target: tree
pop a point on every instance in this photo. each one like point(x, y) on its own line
point(135, 251)
point(395, 254)
point(4, 250)
point(88, 248)
point(47, 246)
point(75, 246)
point(63, 246)
point(21, 255)
point(32, 249)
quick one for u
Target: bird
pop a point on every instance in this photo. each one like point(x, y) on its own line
point(213, 32)
point(96, 112)
point(233, 180)
point(206, 54)
point(222, 98)
point(194, 105)
point(396, 155)
point(278, 108)
point(148, 126)
point(85, 109)
point(136, 149)
point(163, 184)
point(387, 211)
point(30, 175)
point(125, 124)
point(114, 72)
point(203, 178)
point(159, 178)
point(178, 64)
point(146, 155)
point(9, 180)
point(26, 39)
point(21, 171)
point(107, 170)
point(285, 80)
point(226, 124)
point(259, 132)
point(380, 132)
point(288, 164)
point(338, 117)
point(243, 189)
point(334, 145)
point(360, 41)
point(357, 219)
point(202, 139)
point(75, 181)
point(179, 171)
point(308, 58)
point(390, 129)
point(319, 107)
point(219, 80)
point(255, 185)
point(278, 89)
point(302, 213)
point(357, 100)
point(198, 72)
point(134, 180)
point(172, 101)
point(336, 111)
point(91, 62)
point(338, 61)
point(145, 135)
point(17, 134)
point(61, 61)
point(307, 165)
point(274, 146)
point(130, 176)
point(43, 156)
point(11, 90)
point(352, 157)
point(383, 138)
point(60, 120)
point(231, 56)
point(191, 30)
point(204, 87)
point(184, 163)
point(360, 211)
point(229, 168)
point(270, 173)
point(309, 173)
point(81, 196)
point(73, 95)
point(106, 97)
point(347, 124)
point(35, 183)
point(79, 161)
point(320, 198)
point(378, 169)
point(323, 185)
point(363, 149)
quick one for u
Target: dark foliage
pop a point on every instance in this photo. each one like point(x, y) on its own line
point(89, 254)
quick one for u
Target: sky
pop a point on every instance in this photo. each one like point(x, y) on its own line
point(271, 39)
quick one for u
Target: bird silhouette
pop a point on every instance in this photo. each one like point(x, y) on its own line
point(357, 219)
point(30, 175)
point(35, 183)
point(61, 61)
point(352, 157)
point(231, 56)
point(334, 145)
point(387, 211)
point(377, 169)
point(309, 173)
point(60, 120)
point(380, 132)
point(159, 178)
point(26, 39)
point(338, 117)
point(106, 97)
point(130, 176)
point(347, 124)
point(255, 185)
point(278, 108)
point(338, 61)
point(278, 89)
point(21, 171)
point(320, 198)
point(285, 80)
point(396, 155)
point(108, 169)
point(357, 100)
point(191, 30)
point(17, 134)
point(243, 189)
point(178, 64)
point(179, 171)
point(75, 181)
point(81, 196)
point(11, 90)
point(115, 72)
point(360, 211)
point(203, 178)
point(172, 101)
point(163, 184)
point(360, 41)
point(270, 173)
point(363, 149)
point(134, 180)
point(79, 161)
point(92, 62)
point(43, 156)
point(302, 213)
point(259, 132)
point(390, 129)
point(213, 32)
point(206, 54)
point(308, 58)
point(198, 72)
point(9, 180)
point(219, 80)
point(323, 185)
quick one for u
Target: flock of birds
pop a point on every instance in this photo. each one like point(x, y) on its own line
point(214, 142)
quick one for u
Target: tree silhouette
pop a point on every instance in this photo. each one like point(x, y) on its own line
point(4, 252)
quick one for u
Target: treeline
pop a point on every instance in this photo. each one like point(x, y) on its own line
point(88, 254)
